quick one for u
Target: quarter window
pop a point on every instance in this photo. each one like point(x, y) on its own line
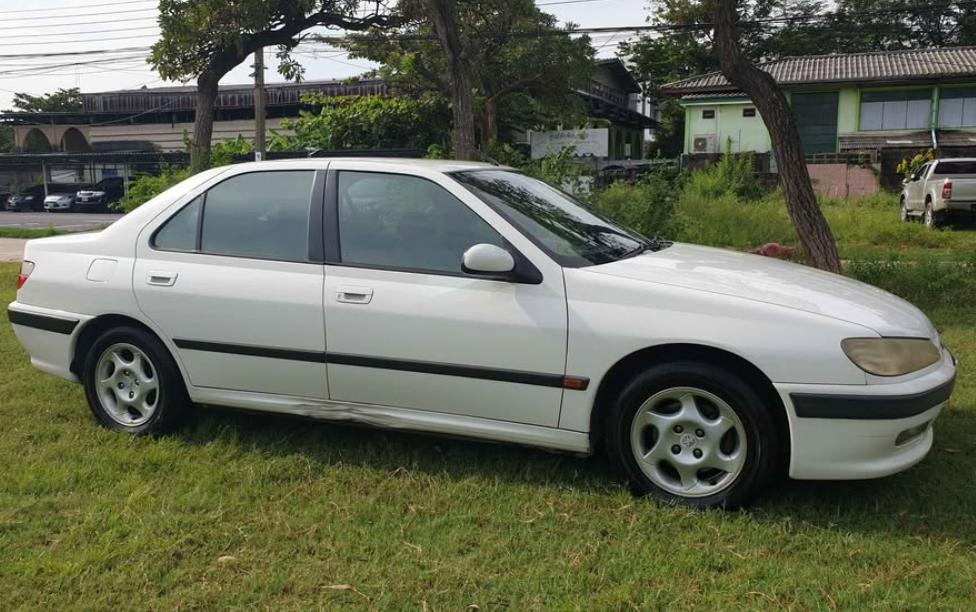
point(896, 110)
point(399, 221)
point(180, 232)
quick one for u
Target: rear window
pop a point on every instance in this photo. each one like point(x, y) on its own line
point(956, 167)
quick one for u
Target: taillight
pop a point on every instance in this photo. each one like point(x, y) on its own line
point(25, 271)
point(947, 190)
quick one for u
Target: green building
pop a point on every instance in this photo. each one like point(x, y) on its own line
point(858, 102)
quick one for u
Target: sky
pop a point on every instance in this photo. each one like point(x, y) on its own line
point(79, 26)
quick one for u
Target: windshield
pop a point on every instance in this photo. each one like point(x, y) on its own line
point(554, 220)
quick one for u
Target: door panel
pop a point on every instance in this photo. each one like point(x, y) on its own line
point(816, 120)
point(467, 329)
point(249, 318)
point(407, 327)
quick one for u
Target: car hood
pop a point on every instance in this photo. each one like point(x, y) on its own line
point(772, 281)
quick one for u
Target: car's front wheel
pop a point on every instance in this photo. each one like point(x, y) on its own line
point(132, 383)
point(693, 433)
point(904, 210)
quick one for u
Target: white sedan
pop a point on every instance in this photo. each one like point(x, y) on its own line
point(471, 300)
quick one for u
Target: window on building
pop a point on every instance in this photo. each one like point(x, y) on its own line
point(398, 221)
point(896, 110)
point(957, 107)
point(708, 114)
point(749, 112)
point(261, 215)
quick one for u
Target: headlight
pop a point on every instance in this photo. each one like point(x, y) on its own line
point(891, 356)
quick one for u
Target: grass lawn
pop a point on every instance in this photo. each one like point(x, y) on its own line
point(28, 232)
point(248, 510)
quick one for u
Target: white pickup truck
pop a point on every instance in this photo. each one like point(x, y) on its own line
point(940, 190)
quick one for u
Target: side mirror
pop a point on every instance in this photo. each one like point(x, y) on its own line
point(489, 261)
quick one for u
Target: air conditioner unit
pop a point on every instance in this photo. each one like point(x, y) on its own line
point(703, 143)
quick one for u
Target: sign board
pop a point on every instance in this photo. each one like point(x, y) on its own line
point(588, 143)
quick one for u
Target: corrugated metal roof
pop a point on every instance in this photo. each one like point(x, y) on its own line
point(885, 66)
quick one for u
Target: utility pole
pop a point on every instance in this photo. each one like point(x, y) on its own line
point(259, 140)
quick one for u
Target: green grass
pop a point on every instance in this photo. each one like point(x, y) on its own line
point(865, 229)
point(26, 232)
point(243, 510)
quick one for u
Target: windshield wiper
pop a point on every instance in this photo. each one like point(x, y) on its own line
point(652, 245)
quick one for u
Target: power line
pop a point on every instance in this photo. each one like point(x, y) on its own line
point(76, 41)
point(49, 35)
point(77, 6)
point(28, 22)
point(71, 24)
point(70, 53)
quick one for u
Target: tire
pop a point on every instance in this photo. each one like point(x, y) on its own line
point(743, 439)
point(905, 218)
point(933, 219)
point(112, 375)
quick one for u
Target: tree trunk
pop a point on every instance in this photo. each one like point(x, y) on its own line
point(801, 202)
point(444, 17)
point(203, 122)
point(489, 121)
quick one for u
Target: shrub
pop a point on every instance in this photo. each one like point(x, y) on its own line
point(147, 186)
point(648, 206)
point(732, 175)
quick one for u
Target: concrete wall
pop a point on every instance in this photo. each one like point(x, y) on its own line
point(169, 136)
point(843, 180)
point(732, 130)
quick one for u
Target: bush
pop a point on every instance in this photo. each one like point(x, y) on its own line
point(147, 186)
point(649, 206)
point(732, 175)
point(926, 282)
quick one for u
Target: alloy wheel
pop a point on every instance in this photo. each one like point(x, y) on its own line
point(128, 384)
point(688, 441)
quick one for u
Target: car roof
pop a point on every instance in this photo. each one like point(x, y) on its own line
point(435, 165)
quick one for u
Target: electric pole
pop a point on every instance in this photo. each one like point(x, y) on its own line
point(259, 140)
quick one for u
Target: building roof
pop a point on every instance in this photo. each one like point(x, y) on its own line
point(876, 67)
point(620, 72)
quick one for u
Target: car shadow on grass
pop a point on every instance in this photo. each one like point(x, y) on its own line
point(935, 499)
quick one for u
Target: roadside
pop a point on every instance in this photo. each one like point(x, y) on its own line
point(61, 222)
point(11, 249)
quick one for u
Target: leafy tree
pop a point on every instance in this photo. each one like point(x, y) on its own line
point(367, 122)
point(801, 202)
point(62, 100)
point(206, 39)
point(522, 67)
point(6, 139)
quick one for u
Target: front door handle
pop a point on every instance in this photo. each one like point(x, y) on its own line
point(161, 278)
point(354, 295)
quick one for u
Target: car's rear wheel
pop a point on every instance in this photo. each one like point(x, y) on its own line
point(693, 433)
point(132, 383)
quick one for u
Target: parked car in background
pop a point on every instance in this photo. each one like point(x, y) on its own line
point(472, 300)
point(61, 198)
point(100, 195)
point(939, 191)
point(30, 199)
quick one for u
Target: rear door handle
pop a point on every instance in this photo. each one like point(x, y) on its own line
point(354, 295)
point(162, 279)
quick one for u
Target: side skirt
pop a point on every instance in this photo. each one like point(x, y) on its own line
point(388, 417)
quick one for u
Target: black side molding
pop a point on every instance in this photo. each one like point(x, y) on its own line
point(253, 351)
point(538, 379)
point(869, 407)
point(37, 321)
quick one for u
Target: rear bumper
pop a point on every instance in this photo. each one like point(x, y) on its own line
point(865, 431)
point(48, 336)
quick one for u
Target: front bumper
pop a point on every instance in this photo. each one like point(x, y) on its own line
point(48, 336)
point(60, 205)
point(842, 432)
